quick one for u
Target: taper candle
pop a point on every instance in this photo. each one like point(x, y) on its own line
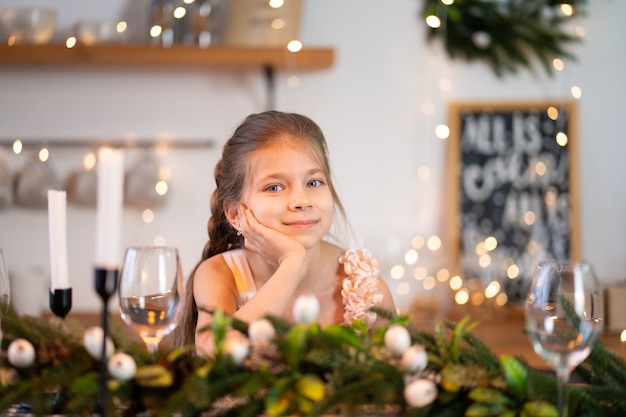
point(57, 209)
point(110, 169)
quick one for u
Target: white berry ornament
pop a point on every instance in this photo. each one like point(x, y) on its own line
point(414, 359)
point(92, 339)
point(122, 366)
point(306, 309)
point(21, 353)
point(420, 392)
point(261, 331)
point(397, 339)
point(237, 346)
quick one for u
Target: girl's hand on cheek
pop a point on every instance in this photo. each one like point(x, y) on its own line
point(270, 243)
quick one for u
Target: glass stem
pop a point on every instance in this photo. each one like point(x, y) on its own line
point(152, 344)
point(562, 376)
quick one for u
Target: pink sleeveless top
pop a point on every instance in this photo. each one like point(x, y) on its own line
point(359, 288)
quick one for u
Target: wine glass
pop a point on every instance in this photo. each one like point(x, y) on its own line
point(151, 292)
point(5, 292)
point(564, 316)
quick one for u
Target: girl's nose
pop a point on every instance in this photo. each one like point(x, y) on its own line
point(300, 201)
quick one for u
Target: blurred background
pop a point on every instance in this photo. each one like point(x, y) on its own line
point(379, 104)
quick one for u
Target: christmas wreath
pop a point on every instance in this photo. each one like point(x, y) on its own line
point(507, 34)
point(271, 367)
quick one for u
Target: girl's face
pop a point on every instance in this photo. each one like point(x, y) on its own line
point(289, 192)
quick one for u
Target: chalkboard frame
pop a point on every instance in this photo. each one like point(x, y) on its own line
point(452, 196)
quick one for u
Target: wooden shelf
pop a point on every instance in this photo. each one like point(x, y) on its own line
point(174, 56)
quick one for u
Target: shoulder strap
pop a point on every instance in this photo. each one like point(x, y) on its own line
point(238, 264)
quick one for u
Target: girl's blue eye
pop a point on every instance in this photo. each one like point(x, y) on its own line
point(315, 183)
point(274, 187)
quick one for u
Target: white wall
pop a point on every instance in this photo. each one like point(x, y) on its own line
point(369, 105)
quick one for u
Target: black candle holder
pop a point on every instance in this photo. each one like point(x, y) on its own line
point(106, 285)
point(60, 302)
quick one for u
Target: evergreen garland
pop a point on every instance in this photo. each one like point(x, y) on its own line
point(306, 370)
point(507, 34)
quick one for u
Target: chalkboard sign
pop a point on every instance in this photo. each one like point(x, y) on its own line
point(513, 185)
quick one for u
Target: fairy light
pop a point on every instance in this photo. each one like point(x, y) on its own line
point(550, 197)
point(411, 257)
point(121, 27)
point(445, 84)
point(480, 249)
point(477, 298)
point(530, 218)
point(541, 168)
point(429, 283)
point(558, 64)
point(423, 173)
point(492, 289)
point(576, 92)
point(17, 146)
point(622, 336)
point(567, 9)
point(433, 243)
point(442, 131)
point(161, 187)
point(147, 216)
point(89, 161)
point(580, 31)
point(275, 4)
point(277, 23)
point(417, 242)
point(179, 12)
point(433, 21)
point(44, 154)
point(553, 113)
point(397, 271)
point(456, 282)
point(164, 173)
point(294, 46)
point(70, 42)
point(155, 31)
point(420, 273)
point(484, 261)
point(502, 299)
point(462, 296)
point(561, 139)
point(443, 275)
point(491, 243)
point(512, 271)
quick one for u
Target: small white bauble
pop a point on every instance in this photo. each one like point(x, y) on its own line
point(21, 353)
point(92, 339)
point(261, 331)
point(397, 339)
point(237, 346)
point(306, 309)
point(414, 359)
point(122, 366)
point(420, 392)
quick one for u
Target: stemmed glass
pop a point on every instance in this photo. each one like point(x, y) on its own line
point(5, 292)
point(151, 292)
point(564, 316)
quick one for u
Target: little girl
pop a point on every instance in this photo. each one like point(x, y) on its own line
point(272, 218)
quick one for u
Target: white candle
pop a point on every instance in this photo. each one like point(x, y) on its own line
point(110, 169)
point(57, 207)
